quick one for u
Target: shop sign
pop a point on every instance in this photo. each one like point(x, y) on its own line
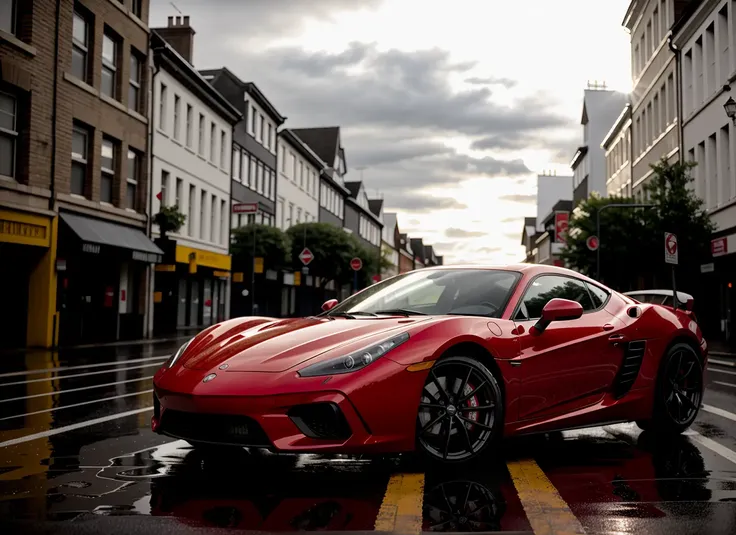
point(203, 258)
point(297, 278)
point(258, 265)
point(24, 229)
point(151, 258)
point(719, 246)
point(91, 248)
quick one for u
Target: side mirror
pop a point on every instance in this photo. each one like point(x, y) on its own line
point(557, 310)
point(329, 305)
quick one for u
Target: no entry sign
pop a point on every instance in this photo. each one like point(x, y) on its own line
point(306, 256)
point(671, 249)
point(356, 263)
point(592, 243)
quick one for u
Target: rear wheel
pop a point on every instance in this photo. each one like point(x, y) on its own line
point(679, 391)
point(460, 412)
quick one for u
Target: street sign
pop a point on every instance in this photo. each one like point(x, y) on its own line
point(719, 246)
point(670, 248)
point(356, 263)
point(707, 268)
point(245, 208)
point(592, 243)
point(306, 256)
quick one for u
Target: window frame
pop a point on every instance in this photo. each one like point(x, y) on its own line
point(108, 172)
point(13, 18)
point(134, 85)
point(13, 134)
point(83, 160)
point(82, 48)
point(517, 307)
point(108, 66)
point(132, 181)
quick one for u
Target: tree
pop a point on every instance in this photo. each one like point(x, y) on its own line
point(273, 245)
point(169, 219)
point(331, 247)
point(632, 240)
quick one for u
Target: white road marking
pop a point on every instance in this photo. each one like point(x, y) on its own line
point(79, 404)
point(724, 384)
point(112, 370)
point(83, 366)
point(719, 412)
point(722, 362)
point(721, 371)
point(72, 427)
point(712, 445)
point(78, 389)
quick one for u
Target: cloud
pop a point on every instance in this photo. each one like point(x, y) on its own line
point(423, 203)
point(560, 145)
point(511, 219)
point(489, 249)
point(521, 198)
point(491, 80)
point(461, 233)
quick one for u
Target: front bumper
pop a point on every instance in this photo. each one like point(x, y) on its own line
point(369, 411)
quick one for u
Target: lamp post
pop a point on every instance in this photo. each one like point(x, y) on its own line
point(598, 230)
point(730, 107)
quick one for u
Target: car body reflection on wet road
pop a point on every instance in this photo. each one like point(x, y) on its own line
point(77, 453)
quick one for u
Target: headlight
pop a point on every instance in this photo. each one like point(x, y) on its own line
point(178, 354)
point(354, 361)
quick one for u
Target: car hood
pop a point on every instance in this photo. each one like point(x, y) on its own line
point(270, 345)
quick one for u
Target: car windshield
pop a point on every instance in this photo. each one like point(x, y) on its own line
point(471, 292)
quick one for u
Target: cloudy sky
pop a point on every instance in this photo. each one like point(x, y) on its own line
point(448, 109)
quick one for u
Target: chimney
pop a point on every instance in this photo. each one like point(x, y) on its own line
point(180, 36)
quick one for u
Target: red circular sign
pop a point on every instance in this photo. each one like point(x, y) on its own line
point(356, 263)
point(592, 242)
point(671, 243)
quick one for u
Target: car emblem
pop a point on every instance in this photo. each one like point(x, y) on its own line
point(209, 378)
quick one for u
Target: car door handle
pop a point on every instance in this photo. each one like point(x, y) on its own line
point(615, 339)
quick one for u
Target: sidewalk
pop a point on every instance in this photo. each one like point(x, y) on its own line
point(721, 350)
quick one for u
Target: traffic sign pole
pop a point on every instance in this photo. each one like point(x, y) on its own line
point(671, 256)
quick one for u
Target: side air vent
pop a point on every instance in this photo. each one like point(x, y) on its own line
point(633, 357)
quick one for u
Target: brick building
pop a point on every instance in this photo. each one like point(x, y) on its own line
point(75, 102)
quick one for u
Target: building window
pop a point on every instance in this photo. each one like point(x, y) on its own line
point(201, 135)
point(213, 143)
point(252, 177)
point(7, 16)
point(80, 150)
point(177, 116)
point(136, 7)
point(131, 186)
point(223, 149)
point(109, 65)
point(236, 164)
point(134, 91)
point(178, 192)
point(253, 119)
point(8, 134)
point(107, 163)
point(267, 140)
point(162, 105)
point(190, 118)
point(202, 209)
point(214, 236)
point(190, 217)
point(259, 131)
point(164, 187)
point(80, 47)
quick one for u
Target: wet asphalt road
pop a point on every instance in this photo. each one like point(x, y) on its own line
point(77, 456)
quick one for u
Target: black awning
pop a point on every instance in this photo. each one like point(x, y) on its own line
point(95, 233)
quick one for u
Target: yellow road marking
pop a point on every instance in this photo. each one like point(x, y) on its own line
point(545, 509)
point(401, 509)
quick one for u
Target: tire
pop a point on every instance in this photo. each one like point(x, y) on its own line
point(472, 433)
point(677, 407)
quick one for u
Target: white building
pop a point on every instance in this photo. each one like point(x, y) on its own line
point(391, 244)
point(706, 38)
point(192, 143)
point(298, 185)
point(601, 107)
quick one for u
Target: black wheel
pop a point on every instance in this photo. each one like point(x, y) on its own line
point(462, 505)
point(679, 390)
point(461, 411)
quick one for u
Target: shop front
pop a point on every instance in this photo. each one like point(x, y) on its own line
point(102, 271)
point(27, 279)
point(718, 278)
point(191, 288)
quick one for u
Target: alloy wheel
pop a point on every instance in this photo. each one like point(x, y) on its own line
point(464, 506)
point(683, 383)
point(457, 411)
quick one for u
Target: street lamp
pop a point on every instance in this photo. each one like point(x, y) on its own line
point(730, 107)
point(598, 229)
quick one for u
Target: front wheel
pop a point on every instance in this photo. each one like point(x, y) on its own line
point(460, 412)
point(679, 391)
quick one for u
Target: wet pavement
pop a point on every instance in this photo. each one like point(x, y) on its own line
point(77, 456)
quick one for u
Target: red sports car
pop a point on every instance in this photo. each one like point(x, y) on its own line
point(443, 360)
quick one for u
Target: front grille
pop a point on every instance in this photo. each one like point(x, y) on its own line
point(630, 366)
point(215, 428)
point(321, 420)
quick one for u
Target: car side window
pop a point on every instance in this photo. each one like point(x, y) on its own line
point(547, 287)
point(599, 295)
